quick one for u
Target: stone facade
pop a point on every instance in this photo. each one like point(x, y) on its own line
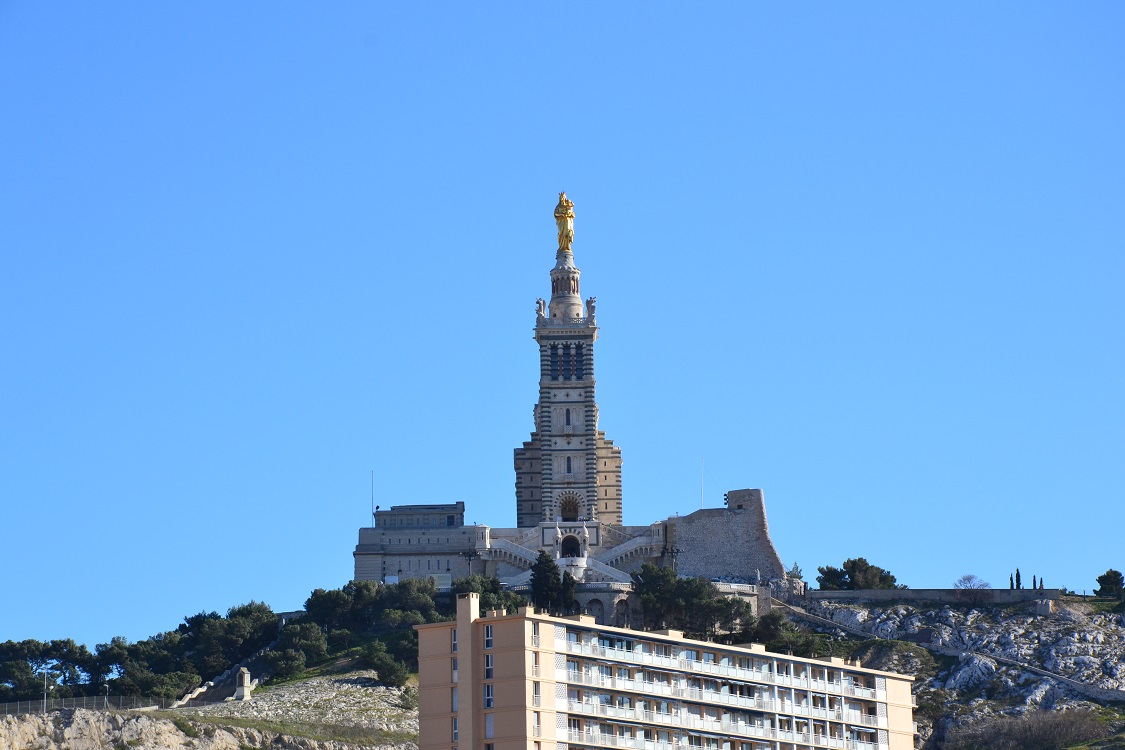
point(569, 500)
point(731, 543)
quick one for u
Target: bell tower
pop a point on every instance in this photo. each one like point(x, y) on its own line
point(568, 470)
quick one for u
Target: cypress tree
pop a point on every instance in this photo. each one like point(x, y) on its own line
point(1011, 582)
point(1019, 585)
point(1034, 585)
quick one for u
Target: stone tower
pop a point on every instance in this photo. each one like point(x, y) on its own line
point(568, 470)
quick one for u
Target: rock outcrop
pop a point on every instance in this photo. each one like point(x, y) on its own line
point(80, 729)
point(977, 648)
point(341, 712)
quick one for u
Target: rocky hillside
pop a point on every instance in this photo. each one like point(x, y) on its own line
point(991, 661)
point(340, 712)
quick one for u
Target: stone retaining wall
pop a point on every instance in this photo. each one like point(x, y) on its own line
point(969, 597)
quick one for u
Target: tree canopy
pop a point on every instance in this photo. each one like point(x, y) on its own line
point(688, 604)
point(166, 664)
point(1111, 583)
point(856, 573)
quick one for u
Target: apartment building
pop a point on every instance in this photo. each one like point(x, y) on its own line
point(528, 681)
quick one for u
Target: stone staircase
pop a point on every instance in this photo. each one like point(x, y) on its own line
point(222, 687)
point(608, 571)
point(641, 546)
point(510, 552)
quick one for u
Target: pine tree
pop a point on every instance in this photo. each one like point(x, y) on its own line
point(1019, 585)
point(546, 583)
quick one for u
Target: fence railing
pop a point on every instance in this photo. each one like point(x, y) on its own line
point(92, 702)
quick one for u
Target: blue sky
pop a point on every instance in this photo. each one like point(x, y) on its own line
point(866, 257)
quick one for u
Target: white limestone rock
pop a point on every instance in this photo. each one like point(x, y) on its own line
point(972, 672)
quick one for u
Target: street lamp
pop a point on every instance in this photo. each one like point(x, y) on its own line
point(471, 554)
point(673, 552)
point(44, 691)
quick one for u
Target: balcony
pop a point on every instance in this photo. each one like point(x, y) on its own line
point(596, 739)
point(710, 668)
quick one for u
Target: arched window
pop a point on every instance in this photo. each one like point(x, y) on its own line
point(568, 417)
point(568, 467)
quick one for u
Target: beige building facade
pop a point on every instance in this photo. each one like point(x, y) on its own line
point(528, 681)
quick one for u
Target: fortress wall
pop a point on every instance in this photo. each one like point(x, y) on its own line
point(732, 542)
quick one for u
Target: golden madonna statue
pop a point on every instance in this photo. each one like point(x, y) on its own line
point(564, 218)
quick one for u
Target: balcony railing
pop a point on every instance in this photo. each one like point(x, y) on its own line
point(714, 668)
point(599, 739)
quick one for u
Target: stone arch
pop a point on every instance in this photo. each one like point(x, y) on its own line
point(570, 547)
point(621, 613)
point(596, 610)
point(570, 506)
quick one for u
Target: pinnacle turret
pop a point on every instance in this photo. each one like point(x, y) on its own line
point(566, 297)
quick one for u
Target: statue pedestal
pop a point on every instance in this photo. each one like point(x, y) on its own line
point(242, 685)
point(576, 566)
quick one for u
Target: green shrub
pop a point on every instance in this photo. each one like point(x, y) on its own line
point(341, 640)
point(185, 726)
point(286, 663)
point(1038, 730)
point(392, 672)
point(305, 637)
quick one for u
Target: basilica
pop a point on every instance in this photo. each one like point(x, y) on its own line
point(569, 496)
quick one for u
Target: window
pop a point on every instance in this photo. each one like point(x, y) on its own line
point(568, 417)
point(449, 520)
point(454, 728)
point(488, 636)
point(488, 666)
point(535, 663)
point(454, 664)
point(453, 645)
point(535, 724)
point(535, 693)
point(488, 695)
point(453, 700)
point(489, 728)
